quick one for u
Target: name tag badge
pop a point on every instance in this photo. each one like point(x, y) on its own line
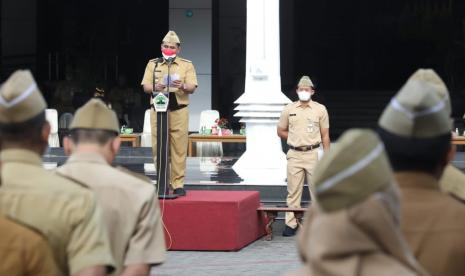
point(310, 126)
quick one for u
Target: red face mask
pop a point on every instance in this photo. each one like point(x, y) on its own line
point(168, 51)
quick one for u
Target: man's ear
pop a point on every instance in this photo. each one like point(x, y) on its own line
point(46, 128)
point(115, 145)
point(450, 155)
point(68, 145)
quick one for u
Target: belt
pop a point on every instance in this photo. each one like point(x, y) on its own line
point(305, 148)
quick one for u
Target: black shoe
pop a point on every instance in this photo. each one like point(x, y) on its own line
point(289, 232)
point(179, 192)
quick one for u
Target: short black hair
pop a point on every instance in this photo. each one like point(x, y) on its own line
point(27, 132)
point(95, 136)
point(415, 154)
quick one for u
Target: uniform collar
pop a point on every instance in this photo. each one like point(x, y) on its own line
point(20, 156)
point(87, 157)
point(176, 60)
point(417, 180)
point(300, 104)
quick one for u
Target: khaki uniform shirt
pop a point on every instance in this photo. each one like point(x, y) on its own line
point(182, 68)
point(433, 224)
point(304, 123)
point(130, 209)
point(453, 182)
point(24, 252)
point(62, 210)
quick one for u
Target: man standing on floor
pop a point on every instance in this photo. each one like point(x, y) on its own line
point(64, 211)
point(135, 229)
point(416, 130)
point(183, 82)
point(305, 125)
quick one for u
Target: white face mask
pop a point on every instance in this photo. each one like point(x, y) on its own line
point(304, 96)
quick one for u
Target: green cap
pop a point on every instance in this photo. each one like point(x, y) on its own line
point(354, 168)
point(305, 81)
point(417, 111)
point(171, 37)
point(95, 115)
point(20, 98)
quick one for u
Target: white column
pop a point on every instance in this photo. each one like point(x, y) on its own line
point(262, 102)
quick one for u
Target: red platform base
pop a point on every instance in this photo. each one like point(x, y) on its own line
point(212, 220)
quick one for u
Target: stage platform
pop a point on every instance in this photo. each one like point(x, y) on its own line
point(206, 173)
point(202, 173)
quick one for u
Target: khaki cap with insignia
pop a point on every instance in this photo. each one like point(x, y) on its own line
point(432, 78)
point(95, 115)
point(305, 81)
point(171, 37)
point(417, 111)
point(354, 168)
point(20, 98)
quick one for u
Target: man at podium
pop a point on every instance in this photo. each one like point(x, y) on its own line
point(177, 76)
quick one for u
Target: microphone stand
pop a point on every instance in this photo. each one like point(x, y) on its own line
point(163, 172)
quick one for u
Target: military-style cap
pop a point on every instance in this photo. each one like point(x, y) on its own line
point(95, 115)
point(171, 37)
point(354, 168)
point(20, 98)
point(305, 81)
point(432, 78)
point(417, 111)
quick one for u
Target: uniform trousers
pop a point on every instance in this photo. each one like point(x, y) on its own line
point(300, 164)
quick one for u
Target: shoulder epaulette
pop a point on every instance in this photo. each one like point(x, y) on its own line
point(134, 174)
point(71, 179)
point(186, 60)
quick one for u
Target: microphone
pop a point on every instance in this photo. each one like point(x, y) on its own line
point(169, 60)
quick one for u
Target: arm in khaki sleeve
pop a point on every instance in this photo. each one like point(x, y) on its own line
point(39, 259)
point(283, 124)
point(190, 80)
point(147, 245)
point(147, 80)
point(89, 250)
point(324, 130)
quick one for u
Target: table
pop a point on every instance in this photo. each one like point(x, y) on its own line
point(193, 138)
point(271, 213)
point(458, 140)
point(134, 138)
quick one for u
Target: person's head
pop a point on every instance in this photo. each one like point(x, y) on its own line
point(305, 89)
point(416, 126)
point(94, 129)
point(355, 169)
point(22, 114)
point(170, 45)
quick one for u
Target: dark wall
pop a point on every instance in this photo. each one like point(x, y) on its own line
point(375, 45)
point(352, 46)
point(99, 40)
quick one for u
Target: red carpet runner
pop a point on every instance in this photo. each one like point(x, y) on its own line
point(213, 220)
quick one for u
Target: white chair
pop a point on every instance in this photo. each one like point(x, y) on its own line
point(146, 136)
point(52, 117)
point(209, 149)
